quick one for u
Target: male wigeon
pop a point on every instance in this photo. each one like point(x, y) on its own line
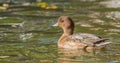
point(69, 40)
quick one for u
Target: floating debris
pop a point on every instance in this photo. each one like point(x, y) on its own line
point(42, 4)
point(45, 5)
point(13, 22)
point(51, 7)
point(25, 36)
point(4, 6)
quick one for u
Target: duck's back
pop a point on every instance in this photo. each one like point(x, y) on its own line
point(84, 36)
point(88, 39)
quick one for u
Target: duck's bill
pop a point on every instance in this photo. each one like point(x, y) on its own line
point(55, 24)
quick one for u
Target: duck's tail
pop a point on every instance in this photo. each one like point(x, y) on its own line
point(101, 42)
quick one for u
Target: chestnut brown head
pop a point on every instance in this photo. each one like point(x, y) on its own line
point(65, 22)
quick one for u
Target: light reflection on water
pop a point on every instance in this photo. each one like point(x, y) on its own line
point(36, 41)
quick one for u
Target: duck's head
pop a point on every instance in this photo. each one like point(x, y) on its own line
point(64, 22)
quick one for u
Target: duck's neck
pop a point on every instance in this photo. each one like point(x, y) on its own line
point(68, 31)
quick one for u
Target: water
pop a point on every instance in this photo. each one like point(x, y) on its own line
point(35, 41)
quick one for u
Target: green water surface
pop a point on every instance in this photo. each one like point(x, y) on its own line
point(36, 40)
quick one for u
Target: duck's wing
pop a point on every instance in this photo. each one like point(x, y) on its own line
point(90, 39)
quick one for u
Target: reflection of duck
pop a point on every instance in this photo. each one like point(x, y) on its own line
point(77, 52)
point(72, 55)
point(77, 41)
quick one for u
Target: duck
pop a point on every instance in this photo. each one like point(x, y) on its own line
point(69, 40)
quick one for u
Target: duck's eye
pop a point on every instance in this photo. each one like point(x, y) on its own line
point(62, 20)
